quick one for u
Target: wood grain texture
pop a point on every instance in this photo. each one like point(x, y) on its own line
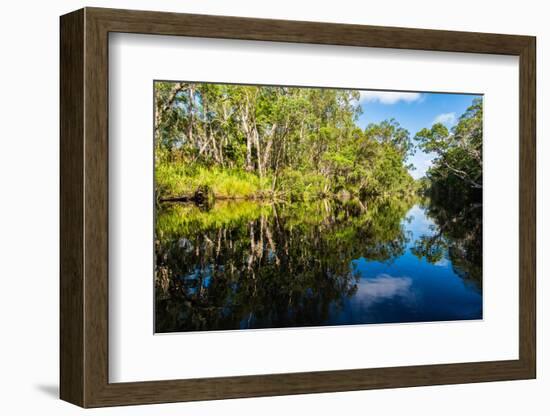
point(84, 207)
point(71, 100)
point(96, 220)
point(225, 27)
point(527, 207)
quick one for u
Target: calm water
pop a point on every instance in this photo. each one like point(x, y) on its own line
point(249, 265)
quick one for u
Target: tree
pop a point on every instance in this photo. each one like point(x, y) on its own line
point(278, 134)
point(390, 132)
point(459, 151)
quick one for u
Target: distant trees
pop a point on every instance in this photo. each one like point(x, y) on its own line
point(391, 133)
point(454, 185)
point(458, 163)
point(278, 133)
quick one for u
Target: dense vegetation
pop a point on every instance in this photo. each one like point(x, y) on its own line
point(274, 143)
point(456, 174)
point(453, 186)
point(287, 191)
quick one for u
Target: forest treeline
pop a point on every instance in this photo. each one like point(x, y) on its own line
point(245, 264)
point(288, 143)
point(278, 142)
point(456, 174)
point(454, 187)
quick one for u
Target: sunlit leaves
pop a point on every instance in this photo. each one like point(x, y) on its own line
point(272, 131)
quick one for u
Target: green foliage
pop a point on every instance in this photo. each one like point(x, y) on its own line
point(390, 132)
point(454, 188)
point(458, 164)
point(176, 180)
point(301, 186)
point(287, 143)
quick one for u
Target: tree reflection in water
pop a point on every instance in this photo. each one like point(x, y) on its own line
point(458, 237)
point(252, 265)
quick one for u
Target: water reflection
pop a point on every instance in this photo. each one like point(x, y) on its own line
point(252, 265)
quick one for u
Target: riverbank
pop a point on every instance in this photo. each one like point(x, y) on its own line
point(179, 183)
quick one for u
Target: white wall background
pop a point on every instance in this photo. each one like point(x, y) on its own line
point(29, 159)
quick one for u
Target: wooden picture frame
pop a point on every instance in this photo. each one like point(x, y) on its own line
point(84, 207)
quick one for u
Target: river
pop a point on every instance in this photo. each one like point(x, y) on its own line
point(241, 265)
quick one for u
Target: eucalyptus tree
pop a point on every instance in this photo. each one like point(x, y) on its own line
point(458, 151)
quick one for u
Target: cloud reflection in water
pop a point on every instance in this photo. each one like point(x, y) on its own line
point(383, 287)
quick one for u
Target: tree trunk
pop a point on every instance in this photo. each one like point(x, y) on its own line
point(191, 91)
point(256, 137)
point(247, 133)
point(269, 145)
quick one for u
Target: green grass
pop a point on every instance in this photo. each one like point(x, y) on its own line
point(175, 180)
point(179, 180)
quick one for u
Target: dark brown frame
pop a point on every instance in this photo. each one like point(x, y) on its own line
point(84, 208)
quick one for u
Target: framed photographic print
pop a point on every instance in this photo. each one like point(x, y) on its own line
point(259, 207)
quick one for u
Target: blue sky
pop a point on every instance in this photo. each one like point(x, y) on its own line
point(414, 111)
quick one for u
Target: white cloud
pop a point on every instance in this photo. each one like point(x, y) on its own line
point(384, 286)
point(448, 119)
point(442, 263)
point(389, 97)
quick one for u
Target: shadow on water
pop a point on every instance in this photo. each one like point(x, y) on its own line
point(246, 264)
